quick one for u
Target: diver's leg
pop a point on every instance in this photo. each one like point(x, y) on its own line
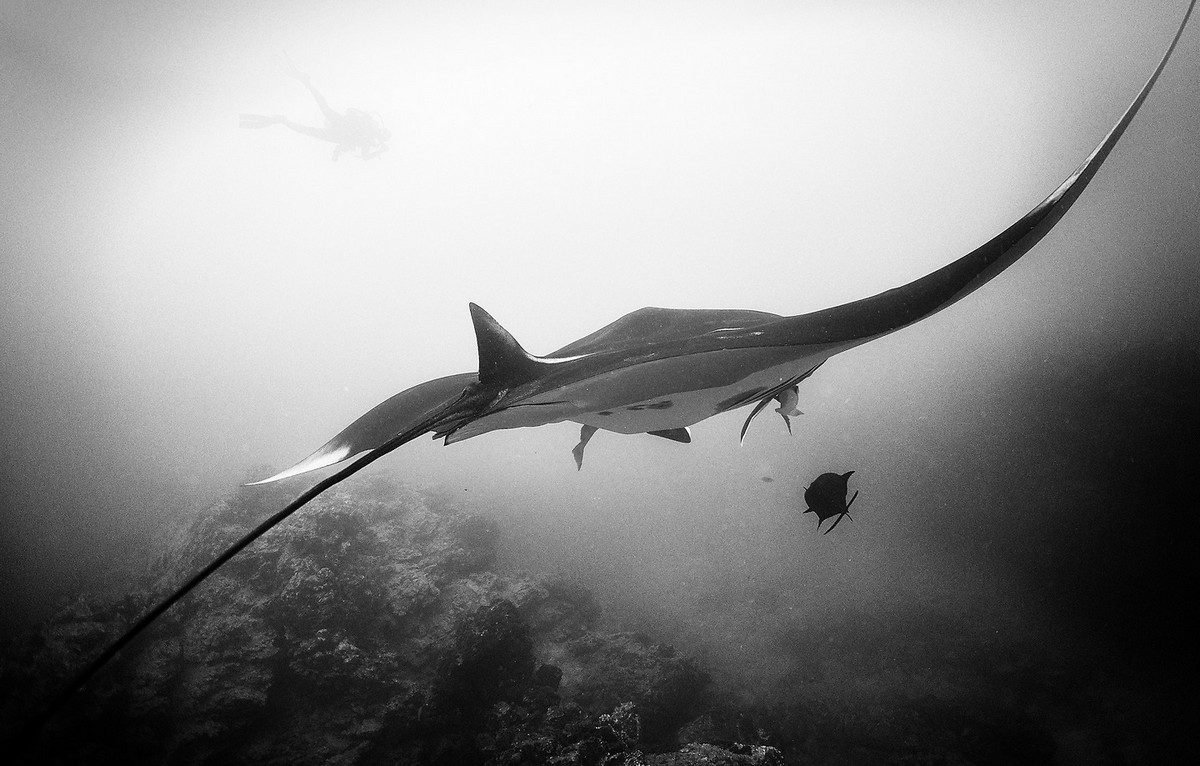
point(321, 133)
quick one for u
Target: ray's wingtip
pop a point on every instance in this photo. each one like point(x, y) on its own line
point(319, 459)
point(270, 479)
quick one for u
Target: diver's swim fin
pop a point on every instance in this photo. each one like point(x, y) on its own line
point(256, 120)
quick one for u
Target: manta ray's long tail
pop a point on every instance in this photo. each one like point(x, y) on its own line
point(448, 413)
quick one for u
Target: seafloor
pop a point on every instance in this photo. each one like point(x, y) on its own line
point(374, 629)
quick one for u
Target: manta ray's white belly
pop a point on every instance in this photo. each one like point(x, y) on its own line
point(680, 409)
point(662, 394)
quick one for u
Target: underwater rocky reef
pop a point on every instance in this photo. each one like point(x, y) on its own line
point(370, 629)
point(378, 627)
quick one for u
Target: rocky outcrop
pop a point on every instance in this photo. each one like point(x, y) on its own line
point(368, 629)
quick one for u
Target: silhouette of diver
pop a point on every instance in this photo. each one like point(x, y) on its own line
point(355, 131)
point(826, 497)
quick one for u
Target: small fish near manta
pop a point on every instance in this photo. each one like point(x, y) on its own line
point(654, 371)
point(826, 497)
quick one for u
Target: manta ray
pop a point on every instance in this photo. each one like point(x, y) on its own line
point(654, 371)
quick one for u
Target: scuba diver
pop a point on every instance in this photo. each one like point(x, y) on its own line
point(355, 131)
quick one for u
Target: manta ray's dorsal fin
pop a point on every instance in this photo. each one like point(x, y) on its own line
point(502, 361)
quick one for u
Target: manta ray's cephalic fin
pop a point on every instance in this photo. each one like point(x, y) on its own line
point(585, 435)
point(587, 432)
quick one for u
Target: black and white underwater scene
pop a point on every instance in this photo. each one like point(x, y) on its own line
point(738, 383)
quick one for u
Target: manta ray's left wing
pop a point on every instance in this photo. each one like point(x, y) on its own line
point(393, 416)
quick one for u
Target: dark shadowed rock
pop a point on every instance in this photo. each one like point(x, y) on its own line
point(489, 660)
point(601, 671)
point(367, 629)
point(713, 755)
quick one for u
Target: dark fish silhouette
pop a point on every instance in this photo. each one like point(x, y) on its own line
point(654, 371)
point(826, 497)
